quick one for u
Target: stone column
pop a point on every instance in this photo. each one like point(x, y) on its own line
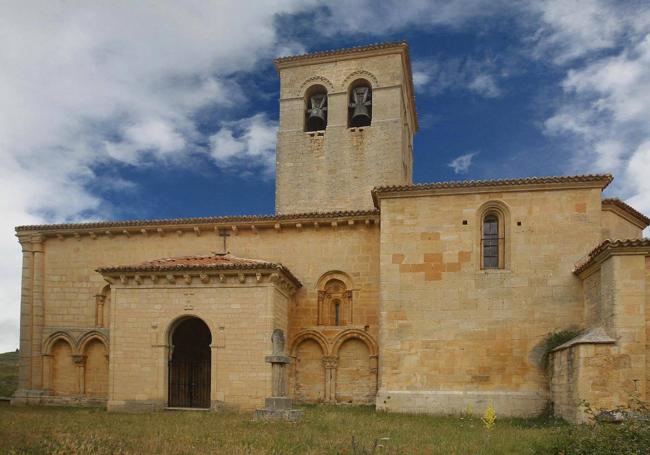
point(25, 372)
point(278, 406)
point(99, 310)
point(330, 364)
point(80, 362)
point(47, 372)
point(38, 311)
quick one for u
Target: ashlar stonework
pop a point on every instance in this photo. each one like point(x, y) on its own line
point(410, 297)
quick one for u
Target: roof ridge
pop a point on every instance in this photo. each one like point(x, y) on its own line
point(191, 220)
point(606, 244)
point(628, 208)
point(481, 182)
point(345, 50)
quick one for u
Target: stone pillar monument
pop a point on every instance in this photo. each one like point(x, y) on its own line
point(278, 405)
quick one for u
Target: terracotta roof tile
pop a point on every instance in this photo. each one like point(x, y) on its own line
point(629, 209)
point(605, 179)
point(605, 245)
point(200, 220)
point(346, 50)
point(215, 261)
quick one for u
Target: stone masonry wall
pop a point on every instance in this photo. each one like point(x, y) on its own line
point(241, 319)
point(71, 284)
point(453, 334)
point(617, 227)
point(336, 170)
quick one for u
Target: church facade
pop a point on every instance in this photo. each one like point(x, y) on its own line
point(409, 297)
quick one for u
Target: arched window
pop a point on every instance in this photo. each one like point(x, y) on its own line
point(316, 108)
point(360, 107)
point(491, 242)
point(334, 303)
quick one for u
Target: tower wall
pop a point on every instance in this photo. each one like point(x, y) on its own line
point(335, 169)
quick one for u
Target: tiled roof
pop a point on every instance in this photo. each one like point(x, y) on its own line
point(347, 50)
point(605, 179)
point(629, 209)
point(608, 244)
point(215, 261)
point(596, 335)
point(201, 220)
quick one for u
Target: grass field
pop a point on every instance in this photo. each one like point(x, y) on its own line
point(8, 373)
point(324, 429)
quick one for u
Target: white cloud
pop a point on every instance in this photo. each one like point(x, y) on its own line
point(249, 142)
point(462, 163)
point(484, 84)
point(93, 83)
point(438, 75)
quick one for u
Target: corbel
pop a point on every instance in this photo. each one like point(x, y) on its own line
point(154, 278)
point(335, 224)
point(235, 230)
point(171, 279)
point(161, 232)
point(222, 277)
point(144, 232)
point(138, 279)
point(179, 232)
point(316, 225)
point(242, 278)
point(197, 231)
point(124, 279)
point(350, 222)
point(60, 236)
point(205, 278)
point(188, 278)
point(299, 226)
point(92, 235)
point(125, 232)
point(258, 277)
point(109, 234)
point(77, 236)
point(254, 229)
point(277, 227)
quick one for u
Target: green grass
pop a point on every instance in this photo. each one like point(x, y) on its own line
point(324, 429)
point(8, 373)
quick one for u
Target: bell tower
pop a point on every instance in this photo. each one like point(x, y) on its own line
point(347, 120)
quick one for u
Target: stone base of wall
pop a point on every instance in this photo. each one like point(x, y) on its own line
point(506, 403)
point(45, 398)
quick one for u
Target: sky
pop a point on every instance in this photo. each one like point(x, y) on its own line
point(159, 109)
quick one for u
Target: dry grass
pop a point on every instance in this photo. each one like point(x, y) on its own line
point(324, 429)
point(8, 373)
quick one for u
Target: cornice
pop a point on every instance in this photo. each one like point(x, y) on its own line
point(200, 226)
point(608, 248)
point(488, 186)
point(626, 212)
point(278, 276)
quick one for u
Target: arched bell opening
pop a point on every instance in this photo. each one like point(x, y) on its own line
point(316, 108)
point(189, 364)
point(360, 107)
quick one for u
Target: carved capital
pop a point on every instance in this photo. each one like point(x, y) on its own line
point(79, 359)
point(330, 362)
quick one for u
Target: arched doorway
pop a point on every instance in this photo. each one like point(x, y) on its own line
point(189, 364)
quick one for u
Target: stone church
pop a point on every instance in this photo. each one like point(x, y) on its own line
point(410, 297)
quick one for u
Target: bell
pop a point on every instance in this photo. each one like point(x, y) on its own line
point(360, 113)
point(317, 119)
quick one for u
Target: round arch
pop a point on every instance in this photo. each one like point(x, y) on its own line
point(312, 81)
point(359, 74)
point(189, 371)
point(501, 210)
point(310, 335)
point(90, 336)
point(354, 334)
point(334, 275)
point(51, 340)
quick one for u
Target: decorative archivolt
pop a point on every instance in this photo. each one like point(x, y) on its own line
point(331, 348)
point(316, 80)
point(360, 74)
point(77, 340)
point(334, 275)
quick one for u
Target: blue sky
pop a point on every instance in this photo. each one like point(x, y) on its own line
point(118, 110)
